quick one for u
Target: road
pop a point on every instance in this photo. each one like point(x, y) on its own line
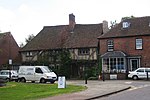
point(140, 91)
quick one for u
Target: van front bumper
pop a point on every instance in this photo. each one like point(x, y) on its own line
point(51, 79)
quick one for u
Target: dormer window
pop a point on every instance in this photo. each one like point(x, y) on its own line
point(125, 24)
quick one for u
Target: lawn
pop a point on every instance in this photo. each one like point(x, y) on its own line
point(32, 91)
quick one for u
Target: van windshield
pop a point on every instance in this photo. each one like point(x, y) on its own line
point(46, 69)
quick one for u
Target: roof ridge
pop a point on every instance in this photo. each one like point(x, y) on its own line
point(68, 25)
point(135, 18)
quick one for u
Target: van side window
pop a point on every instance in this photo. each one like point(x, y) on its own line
point(140, 70)
point(38, 70)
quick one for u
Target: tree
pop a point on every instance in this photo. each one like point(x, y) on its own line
point(65, 61)
point(30, 37)
point(113, 24)
point(127, 17)
point(21, 45)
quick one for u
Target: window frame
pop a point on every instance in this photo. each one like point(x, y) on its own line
point(110, 45)
point(29, 54)
point(125, 25)
point(84, 51)
point(112, 64)
point(140, 70)
point(138, 43)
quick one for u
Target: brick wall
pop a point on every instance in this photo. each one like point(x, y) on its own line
point(8, 48)
point(127, 45)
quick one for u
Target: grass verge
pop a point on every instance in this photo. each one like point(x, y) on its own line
point(30, 91)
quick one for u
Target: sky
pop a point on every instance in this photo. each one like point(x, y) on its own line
point(25, 17)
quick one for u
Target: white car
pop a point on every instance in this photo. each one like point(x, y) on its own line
point(5, 74)
point(140, 73)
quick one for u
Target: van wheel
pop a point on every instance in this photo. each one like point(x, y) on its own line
point(7, 80)
point(52, 82)
point(135, 77)
point(16, 80)
point(42, 80)
point(23, 80)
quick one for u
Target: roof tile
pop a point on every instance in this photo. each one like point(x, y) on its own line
point(56, 37)
point(138, 26)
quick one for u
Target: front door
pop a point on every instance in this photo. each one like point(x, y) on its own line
point(134, 64)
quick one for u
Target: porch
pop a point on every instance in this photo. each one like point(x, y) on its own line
point(117, 64)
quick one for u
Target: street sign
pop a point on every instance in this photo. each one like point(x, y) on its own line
point(114, 76)
point(61, 82)
point(10, 61)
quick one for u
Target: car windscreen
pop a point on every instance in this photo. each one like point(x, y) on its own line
point(46, 69)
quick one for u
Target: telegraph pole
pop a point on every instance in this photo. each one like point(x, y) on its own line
point(9, 60)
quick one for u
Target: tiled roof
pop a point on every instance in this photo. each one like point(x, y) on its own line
point(56, 37)
point(84, 36)
point(113, 54)
point(138, 26)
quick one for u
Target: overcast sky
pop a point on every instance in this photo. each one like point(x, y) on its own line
point(25, 17)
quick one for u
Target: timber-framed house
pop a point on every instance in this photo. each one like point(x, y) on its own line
point(79, 39)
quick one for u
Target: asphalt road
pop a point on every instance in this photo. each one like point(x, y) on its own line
point(139, 91)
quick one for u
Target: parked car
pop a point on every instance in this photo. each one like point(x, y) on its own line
point(36, 73)
point(5, 74)
point(140, 73)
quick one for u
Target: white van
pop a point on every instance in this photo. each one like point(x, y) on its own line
point(36, 73)
point(140, 73)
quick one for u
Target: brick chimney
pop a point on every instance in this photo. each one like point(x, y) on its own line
point(105, 27)
point(71, 22)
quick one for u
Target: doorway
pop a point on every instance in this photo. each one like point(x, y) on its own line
point(134, 64)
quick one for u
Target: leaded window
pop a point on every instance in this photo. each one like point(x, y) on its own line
point(84, 51)
point(114, 65)
point(110, 44)
point(29, 54)
point(139, 44)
